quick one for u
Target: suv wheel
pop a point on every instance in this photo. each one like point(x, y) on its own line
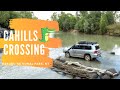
point(67, 54)
point(87, 57)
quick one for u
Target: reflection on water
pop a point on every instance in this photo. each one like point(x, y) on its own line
point(106, 42)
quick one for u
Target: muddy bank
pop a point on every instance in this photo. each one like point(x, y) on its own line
point(78, 71)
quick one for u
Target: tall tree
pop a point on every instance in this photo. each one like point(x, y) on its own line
point(84, 13)
point(91, 22)
point(110, 17)
point(66, 21)
point(5, 16)
point(103, 24)
point(54, 16)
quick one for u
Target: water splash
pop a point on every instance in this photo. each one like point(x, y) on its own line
point(116, 50)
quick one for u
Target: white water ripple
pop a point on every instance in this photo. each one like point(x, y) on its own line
point(27, 72)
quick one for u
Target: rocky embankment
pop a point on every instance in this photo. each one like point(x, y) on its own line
point(79, 71)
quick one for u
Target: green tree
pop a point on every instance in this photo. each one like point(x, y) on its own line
point(66, 21)
point(81, 17)
point(103, 24)
point(54, 16)
point(5, 16)
point(94, 20)
point(84, 13)
point(80, 24)
point(25, 14)
point(90, 22)
point(87, 28)
point(77, 15)
point(110, 17)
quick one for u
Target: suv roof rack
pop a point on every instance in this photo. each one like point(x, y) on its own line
point(86, 42)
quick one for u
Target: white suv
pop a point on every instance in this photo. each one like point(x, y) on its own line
point(84, 49)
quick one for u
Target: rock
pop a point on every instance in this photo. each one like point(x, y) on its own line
point(58, 64)
point(105, 76)
point(65, 72)
point(76, 78)
point(109, 74)
point(61, 59)
point(119, 73)
point(70, 76)
point(73, 70)
point(52, 68)
point(112, 70)
point(77, 64)
point(93, 75)
point(118, 76)
point(60, 73)
point(56, 70)
point(58, 58)
point(112, 53)
point(83, 78)
point(99, 73)
point(98, 77)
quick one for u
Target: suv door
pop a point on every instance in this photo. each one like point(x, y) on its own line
point(73, 50)
point(80, 51)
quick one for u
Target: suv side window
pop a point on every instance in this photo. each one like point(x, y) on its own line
point(75, 47)
point(88, 48)
point(78, 47)
point(81, 47)
point(97, 47)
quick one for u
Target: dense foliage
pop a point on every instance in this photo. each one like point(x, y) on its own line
point(5, 16)
point(90, 22)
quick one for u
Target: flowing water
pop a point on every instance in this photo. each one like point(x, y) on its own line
point(24, 72)
point(107, 43)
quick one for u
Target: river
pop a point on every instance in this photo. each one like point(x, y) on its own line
point(24, 72)
point(107, 43)
point(107, 60)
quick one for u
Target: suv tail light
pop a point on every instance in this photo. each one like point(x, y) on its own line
point(95, 52)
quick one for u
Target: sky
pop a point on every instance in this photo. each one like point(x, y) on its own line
point(44, 15)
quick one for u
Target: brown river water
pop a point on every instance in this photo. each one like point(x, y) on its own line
point(107, 43)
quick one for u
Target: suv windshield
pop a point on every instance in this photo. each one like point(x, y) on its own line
point(97, 47)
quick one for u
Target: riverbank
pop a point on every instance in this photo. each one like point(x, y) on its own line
point(79, 71)
point(115, 33)
point(106, 62)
